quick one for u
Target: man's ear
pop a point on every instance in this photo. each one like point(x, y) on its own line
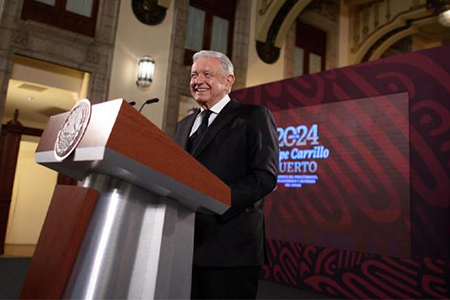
point(230, 79)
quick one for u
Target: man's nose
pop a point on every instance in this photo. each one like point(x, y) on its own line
point(199, 79)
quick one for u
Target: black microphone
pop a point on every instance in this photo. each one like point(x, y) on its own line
point(132, 103)
point(153, 100)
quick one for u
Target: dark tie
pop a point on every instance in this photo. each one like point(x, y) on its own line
point(196, 137)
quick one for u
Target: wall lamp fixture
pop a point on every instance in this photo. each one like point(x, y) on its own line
point(146, 68)
point(442, 9)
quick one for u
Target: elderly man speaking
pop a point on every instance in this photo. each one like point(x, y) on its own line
point(238, 143)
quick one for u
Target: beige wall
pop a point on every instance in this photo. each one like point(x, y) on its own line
point(32, 192)
point(260, 72)
point(134, 40)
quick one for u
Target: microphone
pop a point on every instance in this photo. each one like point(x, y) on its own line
point(132, 103)
point(153, 100)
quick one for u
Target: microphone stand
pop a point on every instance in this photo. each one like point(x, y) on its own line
point(153, 100)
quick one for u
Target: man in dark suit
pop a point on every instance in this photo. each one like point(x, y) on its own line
point(238, 143)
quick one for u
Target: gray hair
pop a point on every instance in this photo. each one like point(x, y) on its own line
point(227, 65)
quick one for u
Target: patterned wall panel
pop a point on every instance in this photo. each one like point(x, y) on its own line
point(347, 270)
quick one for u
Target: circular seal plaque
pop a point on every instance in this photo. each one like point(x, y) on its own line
point(72, 130)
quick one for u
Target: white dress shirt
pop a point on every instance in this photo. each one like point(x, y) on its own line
point(215, 111)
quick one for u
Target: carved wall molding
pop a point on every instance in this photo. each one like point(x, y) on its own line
point(274, 26)
point(394, 39)
point(377, 45)
point(326, 8)
point(377, 38)
point(368, 17)
point(267, 52)
point(264, 6)
point(403, 45)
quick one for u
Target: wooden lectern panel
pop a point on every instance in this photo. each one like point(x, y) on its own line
point(122, 143)
point(162, 154)
point(65, 224)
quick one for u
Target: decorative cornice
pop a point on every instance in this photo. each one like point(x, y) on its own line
point(265, 7)
point(267, 50)
point(326, 8)
point(380, 41)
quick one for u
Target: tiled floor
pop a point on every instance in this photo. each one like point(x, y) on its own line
point(14, 250)
point(13, 271)
point(272, 290)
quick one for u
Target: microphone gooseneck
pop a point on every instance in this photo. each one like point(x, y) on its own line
point(152, 100)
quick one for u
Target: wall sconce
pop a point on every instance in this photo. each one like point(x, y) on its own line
point(146, 67)
point(442, 9)
point(444, 18)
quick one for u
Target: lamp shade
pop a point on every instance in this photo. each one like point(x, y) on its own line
point(444, 18)
point(442, 9)
point(146, 68)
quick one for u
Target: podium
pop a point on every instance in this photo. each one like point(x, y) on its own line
point(128, 231)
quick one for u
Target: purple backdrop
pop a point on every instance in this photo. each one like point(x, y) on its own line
point(352, 271)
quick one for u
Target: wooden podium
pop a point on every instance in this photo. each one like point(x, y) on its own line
point(128, 231)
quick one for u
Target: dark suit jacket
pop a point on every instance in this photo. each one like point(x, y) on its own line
point(241, 148)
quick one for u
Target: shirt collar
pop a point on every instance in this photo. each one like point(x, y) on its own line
point(217, 108)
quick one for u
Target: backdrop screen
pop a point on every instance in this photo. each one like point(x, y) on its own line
point(344, 176)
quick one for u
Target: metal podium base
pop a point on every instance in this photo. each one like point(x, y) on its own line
point(138, 245)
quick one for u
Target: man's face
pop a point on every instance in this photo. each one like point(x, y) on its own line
point(209, 84)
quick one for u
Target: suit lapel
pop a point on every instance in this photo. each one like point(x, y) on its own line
point(186, 129)
point(225, 116)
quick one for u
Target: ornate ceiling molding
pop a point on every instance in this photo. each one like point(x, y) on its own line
point(267, 10)
point(273, 22)
point(401, 22)
point(290, 18)
point(392, 38)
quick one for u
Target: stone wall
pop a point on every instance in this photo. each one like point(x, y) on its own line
point(58, 46)
point(179, 74)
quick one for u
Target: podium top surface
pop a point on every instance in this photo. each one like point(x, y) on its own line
point(122, 143)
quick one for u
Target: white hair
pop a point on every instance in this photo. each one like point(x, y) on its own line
point(226, 63)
